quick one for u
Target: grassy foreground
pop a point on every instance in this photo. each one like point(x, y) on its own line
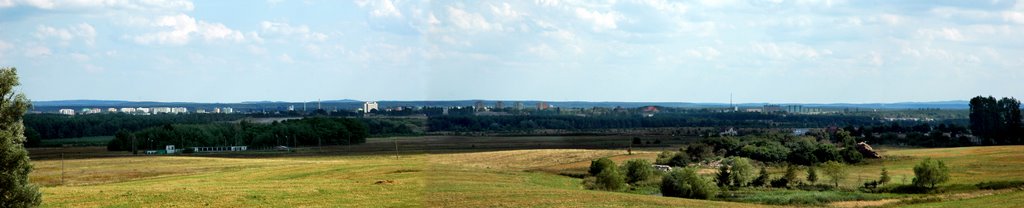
point(326, 181)
point(515, 178)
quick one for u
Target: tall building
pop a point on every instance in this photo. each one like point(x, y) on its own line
point(519, 105)
point(228, 110)
point(69, 112)
point(179, 110)
point(542, 105)
point(158, 110)
point(370, 106)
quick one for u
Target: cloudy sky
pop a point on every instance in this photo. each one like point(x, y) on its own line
point(693, 51)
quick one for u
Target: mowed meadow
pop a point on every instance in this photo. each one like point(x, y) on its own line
point(506, 178)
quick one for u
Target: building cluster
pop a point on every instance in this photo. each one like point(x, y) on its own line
point(142, 110)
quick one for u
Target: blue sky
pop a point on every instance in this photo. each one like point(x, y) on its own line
point(647, 50)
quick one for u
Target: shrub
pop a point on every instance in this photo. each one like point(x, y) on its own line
point(762, 178)
point(638, 170)
point(664, 157)
point(686, 183)
point(780, 183)
point(679, 160)
point(636, 140)
point(790, 175)
point(930, 173)
point(812, 176)
point(1000, 184)
point(610, 180)
point(599, 165)
point(885, 177)
point(851, 155)
point(723, 176)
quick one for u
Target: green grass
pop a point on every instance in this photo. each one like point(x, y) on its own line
point(799, 197)
point(77, 142)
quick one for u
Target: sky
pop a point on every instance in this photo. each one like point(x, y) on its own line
point(776, 51)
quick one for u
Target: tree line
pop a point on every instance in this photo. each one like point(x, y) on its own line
point(997, 121)
point(570, 122)
point(54, 126)
point(301, 132)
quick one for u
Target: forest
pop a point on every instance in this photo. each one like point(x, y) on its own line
point(302, 132)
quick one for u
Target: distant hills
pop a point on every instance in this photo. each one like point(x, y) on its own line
point(349, 103)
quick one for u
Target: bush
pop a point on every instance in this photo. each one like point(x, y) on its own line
point(664, 157)
point(638, 170)
point(599, 165)
point(851, 155)
point(812, 176)
point(1000, 184)
point(680, 159)
point(610, 180)
point(686, 183)
point(930, 173)
point(636, 140)
point(762, 178)
point(780, 183)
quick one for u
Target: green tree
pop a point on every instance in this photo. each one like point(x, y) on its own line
point(762, 178)
point(740, 171)
point(835, 171)
point(680, 159)
point(599, 165)
point(791, 175)
point(15, 166)
point(686, 183)
point(638, 170)
point(851, 155)
point(930, 173)
point(812, 175)
point(723, 178)
point(885, 177)
point(610, 180)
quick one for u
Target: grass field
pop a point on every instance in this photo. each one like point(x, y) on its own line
point(513, 178)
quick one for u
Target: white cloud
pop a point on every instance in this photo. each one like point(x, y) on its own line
point(951, 34)
point(505, 11)
point(286, 58)
point(37, 51)
point(145, 5)
point(788, 51)
point(707, 53)
point(4, 47)
point(468, 21)
point(284, 29)
point(83, 31)
point(600, 20)
point(380, 8)
point(183, 28)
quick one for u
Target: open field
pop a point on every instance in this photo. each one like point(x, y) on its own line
point(480, 178)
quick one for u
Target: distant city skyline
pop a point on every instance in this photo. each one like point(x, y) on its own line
point(808, 51)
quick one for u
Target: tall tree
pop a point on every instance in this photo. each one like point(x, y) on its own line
point(15, 189)
point(1009, 110)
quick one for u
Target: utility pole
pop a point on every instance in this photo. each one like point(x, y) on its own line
point(396, 146)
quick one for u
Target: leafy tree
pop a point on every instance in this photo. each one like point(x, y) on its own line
point(762, 178)
point(791, 175)
point(636, 140)
point(638, 170)
point(740, 171)
point(686, 183)
point(15, 166)
point(700, 151)
point(610, 179)
point(723, 178)
point(835, 171)
point(851, 155)
point(32, 138)
point(930, 173)
point(885, 177)
point(812, 175)
point(664, 157)
point(599, 165)
point(680, 159)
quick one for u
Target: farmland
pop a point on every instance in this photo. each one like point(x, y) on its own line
point(488, 178)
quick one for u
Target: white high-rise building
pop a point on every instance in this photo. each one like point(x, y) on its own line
point(128, 110)
point(229, 110)
point(370, 106)
point(161, 110)
point(111, 110)
point(142, 110)
point(69, 112)
point(179, 110)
